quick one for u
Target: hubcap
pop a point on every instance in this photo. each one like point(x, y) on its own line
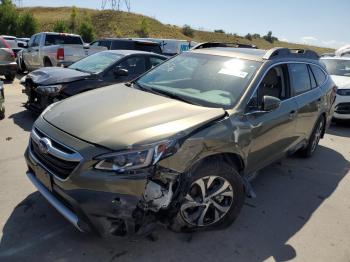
point(208, 201)
point(317, 136)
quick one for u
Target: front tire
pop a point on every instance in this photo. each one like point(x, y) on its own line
point(214, 199)
point(314, 140)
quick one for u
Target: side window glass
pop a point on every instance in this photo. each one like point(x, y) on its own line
point(135, 65)
point(312, 78)
point(273, 84)
point(154, 61)
point(95, 44)
point(31, 41)
point(319, 75)
point(36, 40)
point(300, 79)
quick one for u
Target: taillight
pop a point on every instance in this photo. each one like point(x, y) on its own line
point(5, 43)
point(60, 53)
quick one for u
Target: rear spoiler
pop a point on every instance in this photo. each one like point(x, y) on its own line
point(222, 44)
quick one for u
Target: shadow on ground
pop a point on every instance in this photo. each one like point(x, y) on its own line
point(24, 119)
point(287, 195)
point(340, 128)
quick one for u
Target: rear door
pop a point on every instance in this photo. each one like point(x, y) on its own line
point(272, 133)
point(308, 97)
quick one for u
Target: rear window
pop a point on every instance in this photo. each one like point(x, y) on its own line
point(62, 40)
point(122, 45)
point(148, 48)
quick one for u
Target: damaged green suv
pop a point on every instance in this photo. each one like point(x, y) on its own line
point(179, 144)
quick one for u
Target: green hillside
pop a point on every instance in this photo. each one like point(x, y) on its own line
point(122, 24)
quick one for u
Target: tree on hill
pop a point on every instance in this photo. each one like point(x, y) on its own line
point(220, 31)
point(144, 28)
point(249, 37)
point(270, 38)
point(73, 20)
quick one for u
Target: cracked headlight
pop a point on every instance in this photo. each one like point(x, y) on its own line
point(53, 89)
point(136, 159)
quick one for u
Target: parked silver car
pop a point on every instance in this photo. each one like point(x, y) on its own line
point(54, 49)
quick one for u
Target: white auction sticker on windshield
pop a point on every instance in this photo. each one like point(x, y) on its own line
point(230, 72)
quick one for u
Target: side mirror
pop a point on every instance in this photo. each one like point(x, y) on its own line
point(86, 46)
point(121, 72)
point(271, 103)
point(22, 45)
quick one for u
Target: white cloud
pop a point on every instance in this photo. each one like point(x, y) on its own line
point(309, 39)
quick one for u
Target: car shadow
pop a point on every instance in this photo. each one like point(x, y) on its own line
point(24, 119)
point(340, 128)
point(288, 193)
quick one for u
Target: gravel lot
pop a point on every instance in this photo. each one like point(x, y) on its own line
point(301, 213)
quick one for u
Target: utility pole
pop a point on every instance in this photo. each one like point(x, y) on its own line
point(116, 4)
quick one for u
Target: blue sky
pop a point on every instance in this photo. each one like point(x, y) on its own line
point(322, 22)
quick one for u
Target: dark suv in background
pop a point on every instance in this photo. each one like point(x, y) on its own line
point(179, 145)
point(128, 44)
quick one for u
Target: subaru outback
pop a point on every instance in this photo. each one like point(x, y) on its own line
point(179, 144)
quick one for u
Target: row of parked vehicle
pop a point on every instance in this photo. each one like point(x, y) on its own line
point(170, 140)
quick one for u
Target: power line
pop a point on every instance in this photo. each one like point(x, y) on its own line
point(116, 4)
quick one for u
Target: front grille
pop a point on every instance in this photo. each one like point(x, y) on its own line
point(343, 108)
point(59, 167)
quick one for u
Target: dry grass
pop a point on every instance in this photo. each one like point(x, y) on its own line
point(122, 24)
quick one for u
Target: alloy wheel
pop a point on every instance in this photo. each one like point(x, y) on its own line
point(317, 136)
point(208, 201)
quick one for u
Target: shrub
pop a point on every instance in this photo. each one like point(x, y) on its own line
point(187, 31)
point(8, 18)
point(87, 32)
point(60, 27)
point(220, 31)
point(27, 25)
point(144, 29)
point(269, 38)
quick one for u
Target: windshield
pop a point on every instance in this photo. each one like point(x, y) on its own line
point(207, 80)
point(337, 67)
point(96, 63)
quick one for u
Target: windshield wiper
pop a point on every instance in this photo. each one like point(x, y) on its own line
point(81, 70)
point(174, 96)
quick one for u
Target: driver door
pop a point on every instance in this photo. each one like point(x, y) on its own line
point(272, 133)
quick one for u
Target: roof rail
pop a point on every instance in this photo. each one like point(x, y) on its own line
point(281, 52)
point(223, 44)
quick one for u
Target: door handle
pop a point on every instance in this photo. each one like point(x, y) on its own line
point(292, 114)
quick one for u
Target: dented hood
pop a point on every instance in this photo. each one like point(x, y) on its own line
point(118, 116)
point(56, 75)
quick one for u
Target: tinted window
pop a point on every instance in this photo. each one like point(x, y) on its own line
point(135, 65)
point(207, 80)
point(300, 79)
point(62, 40)
point(122, 45)
point(320, 75)
point(154, 61)
point(105, 44)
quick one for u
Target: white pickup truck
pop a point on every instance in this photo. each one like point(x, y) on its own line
point(54, 49)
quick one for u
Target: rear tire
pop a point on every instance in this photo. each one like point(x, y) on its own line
point(315, 137)
point(214, 199)
point(47, 63)
point(10, 77)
